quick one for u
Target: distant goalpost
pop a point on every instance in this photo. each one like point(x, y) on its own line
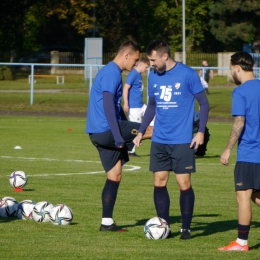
point(93, 55)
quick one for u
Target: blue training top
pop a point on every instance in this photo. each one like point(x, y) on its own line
point(135, 96)
point(174, 92)
point(246, 102)
point(109, 79)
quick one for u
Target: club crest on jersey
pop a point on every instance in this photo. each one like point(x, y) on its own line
point(177, 85)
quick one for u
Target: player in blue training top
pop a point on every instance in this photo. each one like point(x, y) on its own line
point(172, 89)
point(245, 131)
point(133, 96)
point(112, 136)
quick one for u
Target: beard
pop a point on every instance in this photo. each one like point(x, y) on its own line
point(236, 80)
point(161, 69)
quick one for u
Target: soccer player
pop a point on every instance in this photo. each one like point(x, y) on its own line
point(245, 131)
point(206, 73)
point(111, 136)
point(133, 95)
point(172, 90)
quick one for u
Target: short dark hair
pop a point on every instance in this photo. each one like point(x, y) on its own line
point(133, 46)
point(243, 59)
point(159, 46)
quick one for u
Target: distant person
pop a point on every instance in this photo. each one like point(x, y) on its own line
point(133, 95)
point(206, 73)
point(172, 89)
point(112, 136)
point(245, 131)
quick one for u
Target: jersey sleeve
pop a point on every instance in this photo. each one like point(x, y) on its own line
point(130, 78)
point(151, 85)
point(110, 81)
point(238, 104)
point(195, 83)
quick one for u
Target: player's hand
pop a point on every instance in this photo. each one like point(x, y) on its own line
point(197, 140)
point(225, 156)
point(137, 139)
point(120, 143)
point(126, 108)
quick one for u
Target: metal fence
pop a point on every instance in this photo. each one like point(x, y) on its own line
point(57, 72)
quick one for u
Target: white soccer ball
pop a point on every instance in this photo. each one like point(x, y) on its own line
point(8, 207)
point(25, 209)
point(41, 211)
point(18, 179)
point(61, 214)
point(156, 228)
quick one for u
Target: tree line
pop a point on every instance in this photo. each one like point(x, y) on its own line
point(211, 26)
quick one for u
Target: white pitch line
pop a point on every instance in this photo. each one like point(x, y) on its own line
point(46, 159)
point(84, 161)
point(126, 168)
point(132, 168)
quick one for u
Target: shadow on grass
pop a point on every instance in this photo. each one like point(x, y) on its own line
point(208, 156)
point(205, 228)
point(8, 219)
point(74, 223)
point(28, 189)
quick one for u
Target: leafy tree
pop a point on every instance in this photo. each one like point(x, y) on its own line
point(234, 22)
point(12, 17)
point(145, 20)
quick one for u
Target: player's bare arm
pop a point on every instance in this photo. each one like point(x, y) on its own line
point(125, 97)
point(236, 130)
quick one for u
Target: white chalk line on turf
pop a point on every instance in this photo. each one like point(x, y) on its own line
point(84, 161)
point(126, 168)
point(132, 168)
point(46, 159)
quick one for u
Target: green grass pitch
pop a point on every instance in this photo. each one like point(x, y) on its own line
point(64, 167)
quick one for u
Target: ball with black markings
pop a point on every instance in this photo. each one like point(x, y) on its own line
point(25, 209)
point(61, 214)
point(8, 207)
point(18, 179)
point(41, 211)
point(156, 228)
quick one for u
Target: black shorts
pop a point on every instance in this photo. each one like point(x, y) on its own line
point(105, 143)
point(247, 176)
point(179, 158)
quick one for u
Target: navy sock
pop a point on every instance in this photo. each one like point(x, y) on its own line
point(187, 199)
point(243, 231)
point(109, 195)
point(162, 203)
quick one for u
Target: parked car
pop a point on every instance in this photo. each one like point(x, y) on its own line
point(43, 55)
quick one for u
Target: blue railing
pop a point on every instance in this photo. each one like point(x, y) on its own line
point(90, 73)
point(88, 76)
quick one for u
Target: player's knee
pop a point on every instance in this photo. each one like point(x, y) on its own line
point(160, 180)
point(184, 184)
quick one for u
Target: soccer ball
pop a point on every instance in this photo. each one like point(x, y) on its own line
point(8, 207)
point(156, 228)
point(61, 215)
point(41, 211)
point(18, 179)
point(25, 209)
